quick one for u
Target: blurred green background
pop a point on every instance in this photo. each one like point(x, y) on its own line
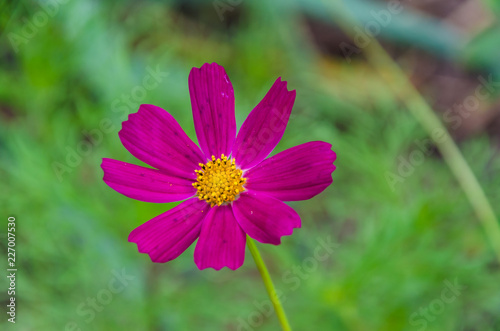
point(409, 255)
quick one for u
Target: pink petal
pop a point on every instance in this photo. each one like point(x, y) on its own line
point(212, 100)
point(222, 241)
point(264, 126)
point(153, 136)
point(264, 218)
point(166, 236)
point(145, 184)
point(298, 173)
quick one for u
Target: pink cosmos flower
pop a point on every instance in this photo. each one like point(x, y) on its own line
point(230, 189)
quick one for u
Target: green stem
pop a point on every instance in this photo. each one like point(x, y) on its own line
point(268, 283)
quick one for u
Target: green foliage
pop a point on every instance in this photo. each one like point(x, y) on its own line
point(396, 244)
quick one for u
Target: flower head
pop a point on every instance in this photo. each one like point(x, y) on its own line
point(229, 187)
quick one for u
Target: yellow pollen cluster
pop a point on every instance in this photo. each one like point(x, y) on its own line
point(219, 181)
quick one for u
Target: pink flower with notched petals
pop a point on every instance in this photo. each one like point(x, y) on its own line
point(230, 189)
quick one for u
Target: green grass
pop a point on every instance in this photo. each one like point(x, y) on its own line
point(395, 248)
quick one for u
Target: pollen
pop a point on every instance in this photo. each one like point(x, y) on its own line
point(219, 181)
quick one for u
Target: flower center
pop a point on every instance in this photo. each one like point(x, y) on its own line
point(219, 181)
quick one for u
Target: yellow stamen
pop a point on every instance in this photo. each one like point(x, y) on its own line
point(219, 181)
